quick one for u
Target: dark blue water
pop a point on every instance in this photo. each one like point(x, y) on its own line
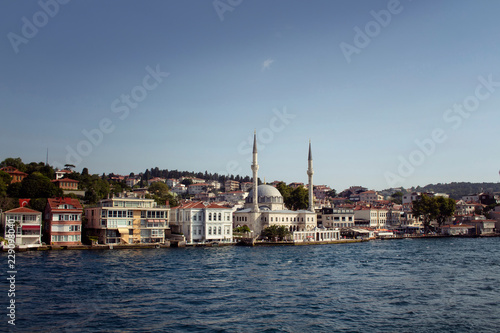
point(424, 285)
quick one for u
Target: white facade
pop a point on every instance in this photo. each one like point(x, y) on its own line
point(377, 217)
point(179, 189)
point(24, 225)
point(203, 222)
point(336, 217)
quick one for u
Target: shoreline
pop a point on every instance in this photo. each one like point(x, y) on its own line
point(178, 244)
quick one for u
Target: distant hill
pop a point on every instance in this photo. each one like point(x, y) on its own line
point(457, 190)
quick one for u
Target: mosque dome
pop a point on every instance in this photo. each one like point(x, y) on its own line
point(267, 194)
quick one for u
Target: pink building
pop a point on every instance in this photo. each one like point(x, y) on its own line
point(63, 221)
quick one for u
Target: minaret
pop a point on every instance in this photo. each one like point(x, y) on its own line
point(255, 168)
point(310, 173)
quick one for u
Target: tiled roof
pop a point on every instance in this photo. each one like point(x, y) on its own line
point(199, 205)
point(55, 202)
point(23, 210)
point(65, 180)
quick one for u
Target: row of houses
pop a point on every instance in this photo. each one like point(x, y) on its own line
point(125, 219)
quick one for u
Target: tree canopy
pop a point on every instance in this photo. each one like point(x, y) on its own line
point(294, 198)
point(433, 208)
point(274, 231)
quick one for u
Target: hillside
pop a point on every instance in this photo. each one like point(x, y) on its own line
point(457, 190)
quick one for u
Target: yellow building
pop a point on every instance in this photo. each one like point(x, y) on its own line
point(128, 219)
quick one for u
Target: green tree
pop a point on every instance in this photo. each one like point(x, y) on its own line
point(242, 229)
point(445, 209)
point(158, 188)
point(95, 188)
point(14, 162)
point(14, 190)
point(187, 181)
point(332, 193)
point(425, 208)
point(37, 185)
point(299, 198)
point(397, 197)
point(3, 188)
point(285, 192)
point(7, 203)
point(275, 232)
point(38, 204)
point(5, 177)
point(45, 170)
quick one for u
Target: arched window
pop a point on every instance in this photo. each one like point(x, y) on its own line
point(209, 230)
point(220, 216)
point(210, 216)
point(220, 230)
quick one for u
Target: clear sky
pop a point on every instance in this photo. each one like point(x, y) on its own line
point(390, 93)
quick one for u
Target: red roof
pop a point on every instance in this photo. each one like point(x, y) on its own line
point(12, 170)
point(65, 180)
point(55, 202)
point(23, 210)
point(198, 205)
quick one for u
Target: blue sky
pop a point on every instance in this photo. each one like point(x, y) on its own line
point(183, 85)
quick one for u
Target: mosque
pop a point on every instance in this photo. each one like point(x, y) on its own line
point(264, 205)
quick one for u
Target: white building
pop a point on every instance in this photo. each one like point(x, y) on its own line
point(171, 182)
point(202, 222)
point(375, 217)
point(197, 188)
point(25, 224)
point(336, 217)
point(179, 189)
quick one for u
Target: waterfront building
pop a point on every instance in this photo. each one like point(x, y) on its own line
point(63, 221)
point(336, 217)
point(17, 176)
point(128, 219)
point(264, 205)
point(202, 222)
point(372, 217)
point(27, 224)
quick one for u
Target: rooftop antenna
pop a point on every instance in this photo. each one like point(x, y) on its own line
point(47, 157)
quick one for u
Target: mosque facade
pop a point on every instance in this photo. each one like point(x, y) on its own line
point(264, 205)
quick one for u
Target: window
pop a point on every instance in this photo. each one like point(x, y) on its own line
point(210, 216)
point(209, 230)
point(220, 216)
point(220, 230)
